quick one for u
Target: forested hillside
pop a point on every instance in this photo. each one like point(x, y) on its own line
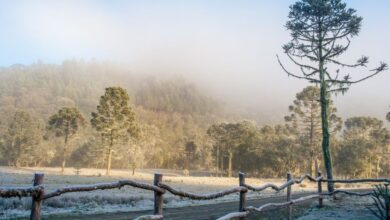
point(43, 88)
point(93, 114)
point(170, 111)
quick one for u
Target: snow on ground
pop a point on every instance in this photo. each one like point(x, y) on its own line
point(345, 207)
point(124, 199)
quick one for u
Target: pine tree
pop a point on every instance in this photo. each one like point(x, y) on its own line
point(370, 133)
point(228, 137)
point(114, 120)
point(66, 123)
point(305, 121)
point(22, 138)
point(321, 31)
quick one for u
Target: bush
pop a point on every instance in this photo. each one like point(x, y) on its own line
point(381, 197)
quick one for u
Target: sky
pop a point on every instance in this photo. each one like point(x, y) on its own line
point(228, 47)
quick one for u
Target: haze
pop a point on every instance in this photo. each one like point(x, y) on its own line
point(226, 47)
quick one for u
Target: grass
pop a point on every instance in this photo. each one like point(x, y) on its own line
point(124, 199)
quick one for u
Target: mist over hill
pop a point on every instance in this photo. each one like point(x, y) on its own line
point(43, 88)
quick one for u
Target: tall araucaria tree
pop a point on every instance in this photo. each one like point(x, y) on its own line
point(66, 123)
point(115, 120)
point(321, 31)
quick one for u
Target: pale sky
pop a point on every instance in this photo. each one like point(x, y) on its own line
point(226, 46)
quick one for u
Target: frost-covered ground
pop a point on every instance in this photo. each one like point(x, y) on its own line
point(345, 207)
point(118, 200)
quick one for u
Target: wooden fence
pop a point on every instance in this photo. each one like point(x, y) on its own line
point(38, 194)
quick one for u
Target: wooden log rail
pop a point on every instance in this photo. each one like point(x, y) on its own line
point(38, 194)
point(203, 196)
point(8, 192)
point(368, 180)
point(102, 186)
point(285, 185)
point(266, 206)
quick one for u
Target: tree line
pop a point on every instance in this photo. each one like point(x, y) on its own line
point(169, 113)
point(361, 145)
point(115, 137)
point(112, 134)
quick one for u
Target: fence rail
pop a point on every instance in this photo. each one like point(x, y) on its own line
point(38, 194)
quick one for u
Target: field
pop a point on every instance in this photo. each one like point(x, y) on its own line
point(119, 200)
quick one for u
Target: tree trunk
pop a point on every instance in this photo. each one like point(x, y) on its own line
point(109, 155)
point(217, 162)
point(312, 150)
point(222, 162)
point(230, 166)
point(133, 166)
point(370, 167)
point(17, 163)
point(64, 155)
point(324, 118)
point(325, 139)
point(311, 163)
point(316, 165)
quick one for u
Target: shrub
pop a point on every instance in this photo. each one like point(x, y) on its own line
point(381, 197)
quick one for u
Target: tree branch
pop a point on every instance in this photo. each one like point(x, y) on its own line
point(299, 64)
point(360, 62)
point(382, 67)
point(296, 76)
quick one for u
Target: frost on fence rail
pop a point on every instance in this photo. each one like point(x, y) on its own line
point(348, 193)
point(379, 180)
point(8, 192)
point(282, 204)
point(203, 196)
point(268, 205)
point(150, 217)
point(103, 186)
point(285, 185)
point(234, 215)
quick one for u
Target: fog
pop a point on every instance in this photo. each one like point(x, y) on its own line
point(227, 47)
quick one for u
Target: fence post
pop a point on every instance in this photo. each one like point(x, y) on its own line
point(37, 198)
point(320, 199)
point(289, 196)
point(242, 204)
point(158, 197)
point(387, 205)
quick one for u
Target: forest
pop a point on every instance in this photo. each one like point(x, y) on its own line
point(100, 115)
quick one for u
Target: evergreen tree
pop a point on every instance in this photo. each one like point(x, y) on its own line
point(21, 140)
point(89, 154)
point(66, 123)
point(367, 136)
point(278, 151)
point(321, 31)
point(305, 121)
point(114, 120)
point(228, 137)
